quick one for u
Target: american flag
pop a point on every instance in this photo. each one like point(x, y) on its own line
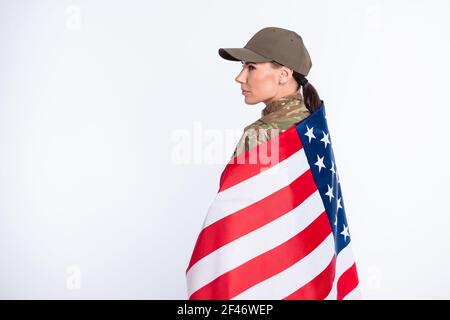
point(277, 230)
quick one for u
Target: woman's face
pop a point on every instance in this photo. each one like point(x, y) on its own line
point(260, 82)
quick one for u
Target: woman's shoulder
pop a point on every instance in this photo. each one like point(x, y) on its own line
point(284, 120)
point(291, 113)
point(258, 125)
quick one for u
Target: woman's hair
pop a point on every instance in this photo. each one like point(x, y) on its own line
point(310, 95)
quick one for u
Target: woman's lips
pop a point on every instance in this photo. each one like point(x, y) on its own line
point(244, 92)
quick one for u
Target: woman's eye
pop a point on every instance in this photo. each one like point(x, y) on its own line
point(250, 67)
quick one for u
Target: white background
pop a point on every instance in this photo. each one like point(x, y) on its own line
point(93, 204)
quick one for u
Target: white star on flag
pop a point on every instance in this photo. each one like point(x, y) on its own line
point(325, 139)
point(319, 162)
point(332, 167)
point(309, 133)
point(345, 232)
point(329, 192)
point(339, 206)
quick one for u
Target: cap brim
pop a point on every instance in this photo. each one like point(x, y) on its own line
point(241, 54)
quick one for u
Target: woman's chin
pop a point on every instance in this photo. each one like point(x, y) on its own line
point(249, 100)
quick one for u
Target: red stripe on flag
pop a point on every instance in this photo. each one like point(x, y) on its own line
point(253, 217)
point(319, 287)
point(347, 282)
point(266, 265)
point(249, 164)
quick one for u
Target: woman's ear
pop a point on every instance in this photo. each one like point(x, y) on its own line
point(285, 74)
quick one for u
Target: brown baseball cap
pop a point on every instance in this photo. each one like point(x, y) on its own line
point(273, 44)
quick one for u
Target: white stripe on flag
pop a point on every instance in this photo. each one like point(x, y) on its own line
point(256, 188)
point(344, 260)
point(355, 294)
point(333, 292)
point(293, 278)
point(254, 243)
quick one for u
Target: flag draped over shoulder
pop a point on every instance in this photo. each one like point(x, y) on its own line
point(277, 229)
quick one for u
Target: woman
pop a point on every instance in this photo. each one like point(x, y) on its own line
point(275, 64)
point(277, 229)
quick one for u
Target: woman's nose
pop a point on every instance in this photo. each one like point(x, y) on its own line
point(241, 77)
